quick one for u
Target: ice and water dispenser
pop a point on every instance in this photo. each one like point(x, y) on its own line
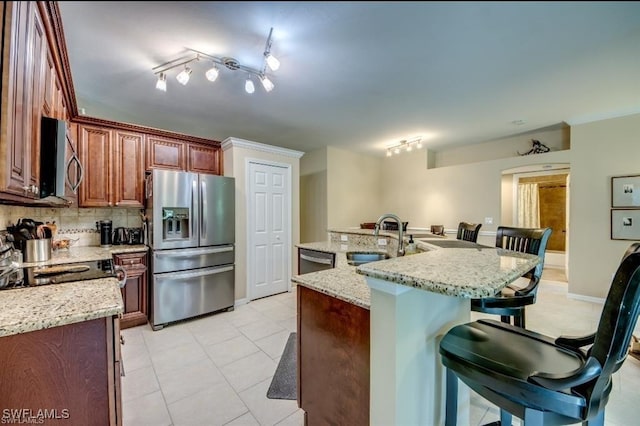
point(175, 223)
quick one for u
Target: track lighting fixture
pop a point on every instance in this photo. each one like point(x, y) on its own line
point(212, 73)
point(406, 144)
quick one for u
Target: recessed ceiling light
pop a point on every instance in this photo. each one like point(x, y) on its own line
point(518, 122)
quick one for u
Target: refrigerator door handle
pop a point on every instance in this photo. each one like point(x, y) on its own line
point(198, 273)
point(194, 197)
point(203, 211)
point(190, 253)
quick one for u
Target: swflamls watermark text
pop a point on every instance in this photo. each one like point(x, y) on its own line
point(17, 416)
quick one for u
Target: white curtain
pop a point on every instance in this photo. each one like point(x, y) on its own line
point(528, 205)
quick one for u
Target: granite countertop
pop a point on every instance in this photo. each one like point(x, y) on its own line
point(416, 232)
point(459, 272)
point(475, 271)
point(36, 308)
point(86, 254)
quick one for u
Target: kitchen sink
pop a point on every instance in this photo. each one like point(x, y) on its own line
point(356, 258)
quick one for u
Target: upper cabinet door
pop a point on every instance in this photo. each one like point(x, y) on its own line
point(203, 159)
point(128, 169)
point(94, 144)
point(24, 54)
point(163, 153)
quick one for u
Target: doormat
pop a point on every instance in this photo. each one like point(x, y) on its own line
point(284, 383)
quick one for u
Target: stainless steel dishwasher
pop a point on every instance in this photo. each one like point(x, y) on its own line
point(313, 260)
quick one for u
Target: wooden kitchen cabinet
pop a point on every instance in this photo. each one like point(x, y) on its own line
point(94, 145)
point(72, 371)
point(135, 292)
point(173, 154)
point(24, 54)
point(203, 159)
point(113, 162)
point(164, 153)
point(128, 169)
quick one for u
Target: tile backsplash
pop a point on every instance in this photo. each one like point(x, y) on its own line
point(73, 223)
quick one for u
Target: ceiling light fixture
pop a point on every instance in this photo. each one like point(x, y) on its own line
point(406, 144)
point(212, 73)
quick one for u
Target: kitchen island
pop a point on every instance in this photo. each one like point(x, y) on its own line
point(412, 301)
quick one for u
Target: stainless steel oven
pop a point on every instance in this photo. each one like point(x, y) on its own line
point(67, 272)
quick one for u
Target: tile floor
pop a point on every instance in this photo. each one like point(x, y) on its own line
point(216, 370)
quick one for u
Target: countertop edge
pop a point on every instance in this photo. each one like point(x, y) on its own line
point(58, 305)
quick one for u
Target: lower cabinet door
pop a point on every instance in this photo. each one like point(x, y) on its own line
point(135, 292)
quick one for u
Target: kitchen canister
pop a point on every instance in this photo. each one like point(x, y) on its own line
point(37, 250)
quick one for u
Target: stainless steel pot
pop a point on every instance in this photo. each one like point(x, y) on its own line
point(37, 250)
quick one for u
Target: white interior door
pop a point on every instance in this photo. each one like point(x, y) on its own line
point(269, 260)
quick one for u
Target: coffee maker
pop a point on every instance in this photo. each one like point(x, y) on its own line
point(105, 228)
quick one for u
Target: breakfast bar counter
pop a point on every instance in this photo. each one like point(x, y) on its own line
point(379, 335)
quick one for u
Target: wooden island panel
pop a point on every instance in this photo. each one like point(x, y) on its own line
point(66, 375)
point(333, 360)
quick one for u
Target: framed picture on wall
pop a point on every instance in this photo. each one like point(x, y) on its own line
point(625, 191)
point(625, 224)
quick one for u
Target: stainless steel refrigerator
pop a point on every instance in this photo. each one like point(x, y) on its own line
point(191, 235)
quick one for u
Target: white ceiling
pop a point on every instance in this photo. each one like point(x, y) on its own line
point(359, 75)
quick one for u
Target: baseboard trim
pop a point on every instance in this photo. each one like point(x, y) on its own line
point(239, 302)
point(598, 300)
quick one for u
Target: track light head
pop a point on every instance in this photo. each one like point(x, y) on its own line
point(266, 83)
point(272, 61)
point(212, 73)
point(161, 84)
point(248, 86)
point(183, 76)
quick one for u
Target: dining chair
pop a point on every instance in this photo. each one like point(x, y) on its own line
point(542, 380)
point(437, 230)
point(512, 300)
point(468, 231)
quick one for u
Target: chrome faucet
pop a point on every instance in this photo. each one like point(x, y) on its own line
point(400, 230)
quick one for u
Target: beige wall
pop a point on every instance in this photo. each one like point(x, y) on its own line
point(313, 196)
point(236, 154)
point(448, 195)
point(339, 189)
point(556, 138)
point(600, 150)
point(353, 188)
